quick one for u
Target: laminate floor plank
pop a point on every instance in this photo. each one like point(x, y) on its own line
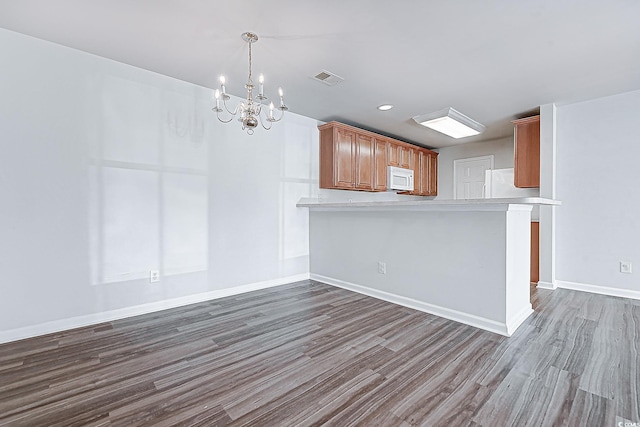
point(601, 375)
point(627, 398)
point(414, 375)
point(446, 376)
point(458, 407)
point(311, 354)
point(282, 386)
point(303, 403)
point(591, 410)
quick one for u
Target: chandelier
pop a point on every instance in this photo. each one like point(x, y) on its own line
point(250, 112)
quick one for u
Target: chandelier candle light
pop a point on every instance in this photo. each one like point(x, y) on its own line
point(251, 112)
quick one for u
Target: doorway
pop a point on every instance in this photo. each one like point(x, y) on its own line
point(468, 177)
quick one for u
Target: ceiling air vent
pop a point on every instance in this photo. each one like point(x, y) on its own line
point(328, 78)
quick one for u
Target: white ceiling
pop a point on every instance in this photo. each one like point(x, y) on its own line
point(493, 60)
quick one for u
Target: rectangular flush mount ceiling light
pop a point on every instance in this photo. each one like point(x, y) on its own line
point(451, 123)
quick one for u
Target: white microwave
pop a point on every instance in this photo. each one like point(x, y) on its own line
point(399, 178)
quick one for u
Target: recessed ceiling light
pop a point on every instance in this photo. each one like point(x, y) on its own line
point(450, 122)
point(385, 107)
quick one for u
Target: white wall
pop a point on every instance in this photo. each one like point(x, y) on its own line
point(108, 171)
point(548, 142)
point(502, 150)
point(598, 223)
point(471, 266)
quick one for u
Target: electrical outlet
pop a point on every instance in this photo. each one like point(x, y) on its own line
point(626, 267)
point(154, 276)
point(382, 267)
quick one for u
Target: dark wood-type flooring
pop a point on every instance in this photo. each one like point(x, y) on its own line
point(310, 354)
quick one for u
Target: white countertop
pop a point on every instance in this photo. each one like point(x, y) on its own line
point(520, 203)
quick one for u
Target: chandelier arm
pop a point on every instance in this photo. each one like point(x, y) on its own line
point(223, 121)
point(234, 112)
point(269, 117)
point(262, 123)
point(281, 116)
point(266, 115)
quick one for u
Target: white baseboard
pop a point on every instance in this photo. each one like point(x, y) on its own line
point(596, 289)
point(547, 285)
point(457, 316)
point(122, 313)
point(515, 321)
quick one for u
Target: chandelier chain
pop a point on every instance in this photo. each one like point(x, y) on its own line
point(250, 80)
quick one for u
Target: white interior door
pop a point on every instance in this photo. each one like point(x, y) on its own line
point(468, 177)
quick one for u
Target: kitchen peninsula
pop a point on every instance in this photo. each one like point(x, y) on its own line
point(465, 260)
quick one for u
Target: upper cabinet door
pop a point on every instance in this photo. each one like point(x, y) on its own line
point(393, 155)
point(405, 157)
point(423, 174)
point(433, 174)
point(527, 152)
point(364, 162)
point(414, 162)
point(381, 162)
point(344, 160)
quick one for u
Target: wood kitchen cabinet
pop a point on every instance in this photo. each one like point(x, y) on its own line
point(527, 152)
point(393, 154)
point(433, 174)
point(364, 162)
point(425, 173)
point(381, 161)
point(406, 157)
point(347, 159)
point(420, 173)
point(355, 159)
point(535, 252)
point(337, 155)
point(400, 155)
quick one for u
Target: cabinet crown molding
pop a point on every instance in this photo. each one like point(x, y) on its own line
point(334, 124)
point(526, 120)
